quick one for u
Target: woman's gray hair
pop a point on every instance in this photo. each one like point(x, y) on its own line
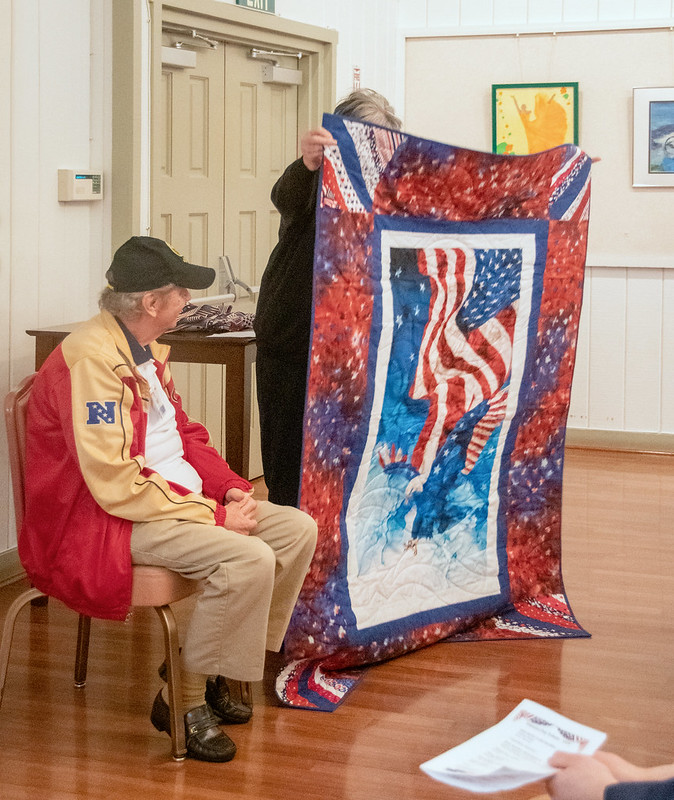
point(126, 305)
point(368, 106)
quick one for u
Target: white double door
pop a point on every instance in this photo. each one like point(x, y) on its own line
point(222, 140)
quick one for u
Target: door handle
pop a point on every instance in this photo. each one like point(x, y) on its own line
point(231, 280)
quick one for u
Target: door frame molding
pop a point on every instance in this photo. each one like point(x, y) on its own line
point(218, 20)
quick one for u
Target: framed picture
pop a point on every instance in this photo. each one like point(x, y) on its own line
point(530, 117)
point(653, 156)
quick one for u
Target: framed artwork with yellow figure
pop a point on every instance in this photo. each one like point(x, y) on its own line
point(530, 117)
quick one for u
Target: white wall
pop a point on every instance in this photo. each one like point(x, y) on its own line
point(55, 77)
point(466, 13)
point(55, 74)
point(624, 375)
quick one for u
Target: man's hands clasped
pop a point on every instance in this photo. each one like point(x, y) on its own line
point(241, 508)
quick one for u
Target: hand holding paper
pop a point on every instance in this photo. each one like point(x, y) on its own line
point(513, 752)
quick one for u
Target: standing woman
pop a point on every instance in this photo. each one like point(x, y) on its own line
point(283, 317)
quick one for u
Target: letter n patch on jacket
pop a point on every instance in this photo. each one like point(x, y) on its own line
point(101, 412)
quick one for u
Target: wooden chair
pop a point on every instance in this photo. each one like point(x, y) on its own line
point(152, 586)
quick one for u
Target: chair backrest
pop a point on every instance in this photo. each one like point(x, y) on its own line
point(16, 407)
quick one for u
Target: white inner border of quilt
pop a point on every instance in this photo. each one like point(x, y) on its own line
point(403, 581)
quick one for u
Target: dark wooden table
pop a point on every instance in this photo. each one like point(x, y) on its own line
point(236, 352)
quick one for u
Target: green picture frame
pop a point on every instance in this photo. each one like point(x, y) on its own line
point(530, 117)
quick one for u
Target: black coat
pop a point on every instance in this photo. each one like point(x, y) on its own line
point(283, 315)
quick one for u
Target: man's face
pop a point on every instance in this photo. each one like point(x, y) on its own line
point(170, 305)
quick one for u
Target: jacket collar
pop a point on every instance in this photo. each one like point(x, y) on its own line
point(139, 353)
point(158, 351)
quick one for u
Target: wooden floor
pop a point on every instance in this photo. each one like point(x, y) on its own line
point(58, 742)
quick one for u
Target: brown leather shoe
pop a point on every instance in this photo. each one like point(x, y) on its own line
point(204, 739)
point(224, 708)
point(219, 699)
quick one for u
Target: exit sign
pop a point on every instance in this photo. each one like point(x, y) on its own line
point(259, 5)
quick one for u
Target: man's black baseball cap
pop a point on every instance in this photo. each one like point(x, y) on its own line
point(145, 263)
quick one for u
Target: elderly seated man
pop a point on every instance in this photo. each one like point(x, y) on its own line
point(116, 474)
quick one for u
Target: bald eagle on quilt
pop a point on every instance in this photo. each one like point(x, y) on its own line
point(447, 293)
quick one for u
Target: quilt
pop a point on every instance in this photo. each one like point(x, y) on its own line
point(447, 293)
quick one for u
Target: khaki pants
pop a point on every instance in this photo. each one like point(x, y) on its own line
point(251, 584)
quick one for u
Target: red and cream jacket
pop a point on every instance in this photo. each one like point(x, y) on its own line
point(86, 479)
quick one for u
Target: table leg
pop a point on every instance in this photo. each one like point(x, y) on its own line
point(238, 399)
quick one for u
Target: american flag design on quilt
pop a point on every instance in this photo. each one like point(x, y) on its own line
point(447, 293)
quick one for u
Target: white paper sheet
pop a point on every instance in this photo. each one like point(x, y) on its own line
point(513, 752)
point(247, 334)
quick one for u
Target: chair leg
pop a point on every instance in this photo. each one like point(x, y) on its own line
point(168, 621)
point(82, 651)
point(8, 632)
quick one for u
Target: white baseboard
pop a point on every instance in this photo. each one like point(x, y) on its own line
point(620, 440)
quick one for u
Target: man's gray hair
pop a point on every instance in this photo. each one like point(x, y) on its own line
point(126, 305)
point(369, 106)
